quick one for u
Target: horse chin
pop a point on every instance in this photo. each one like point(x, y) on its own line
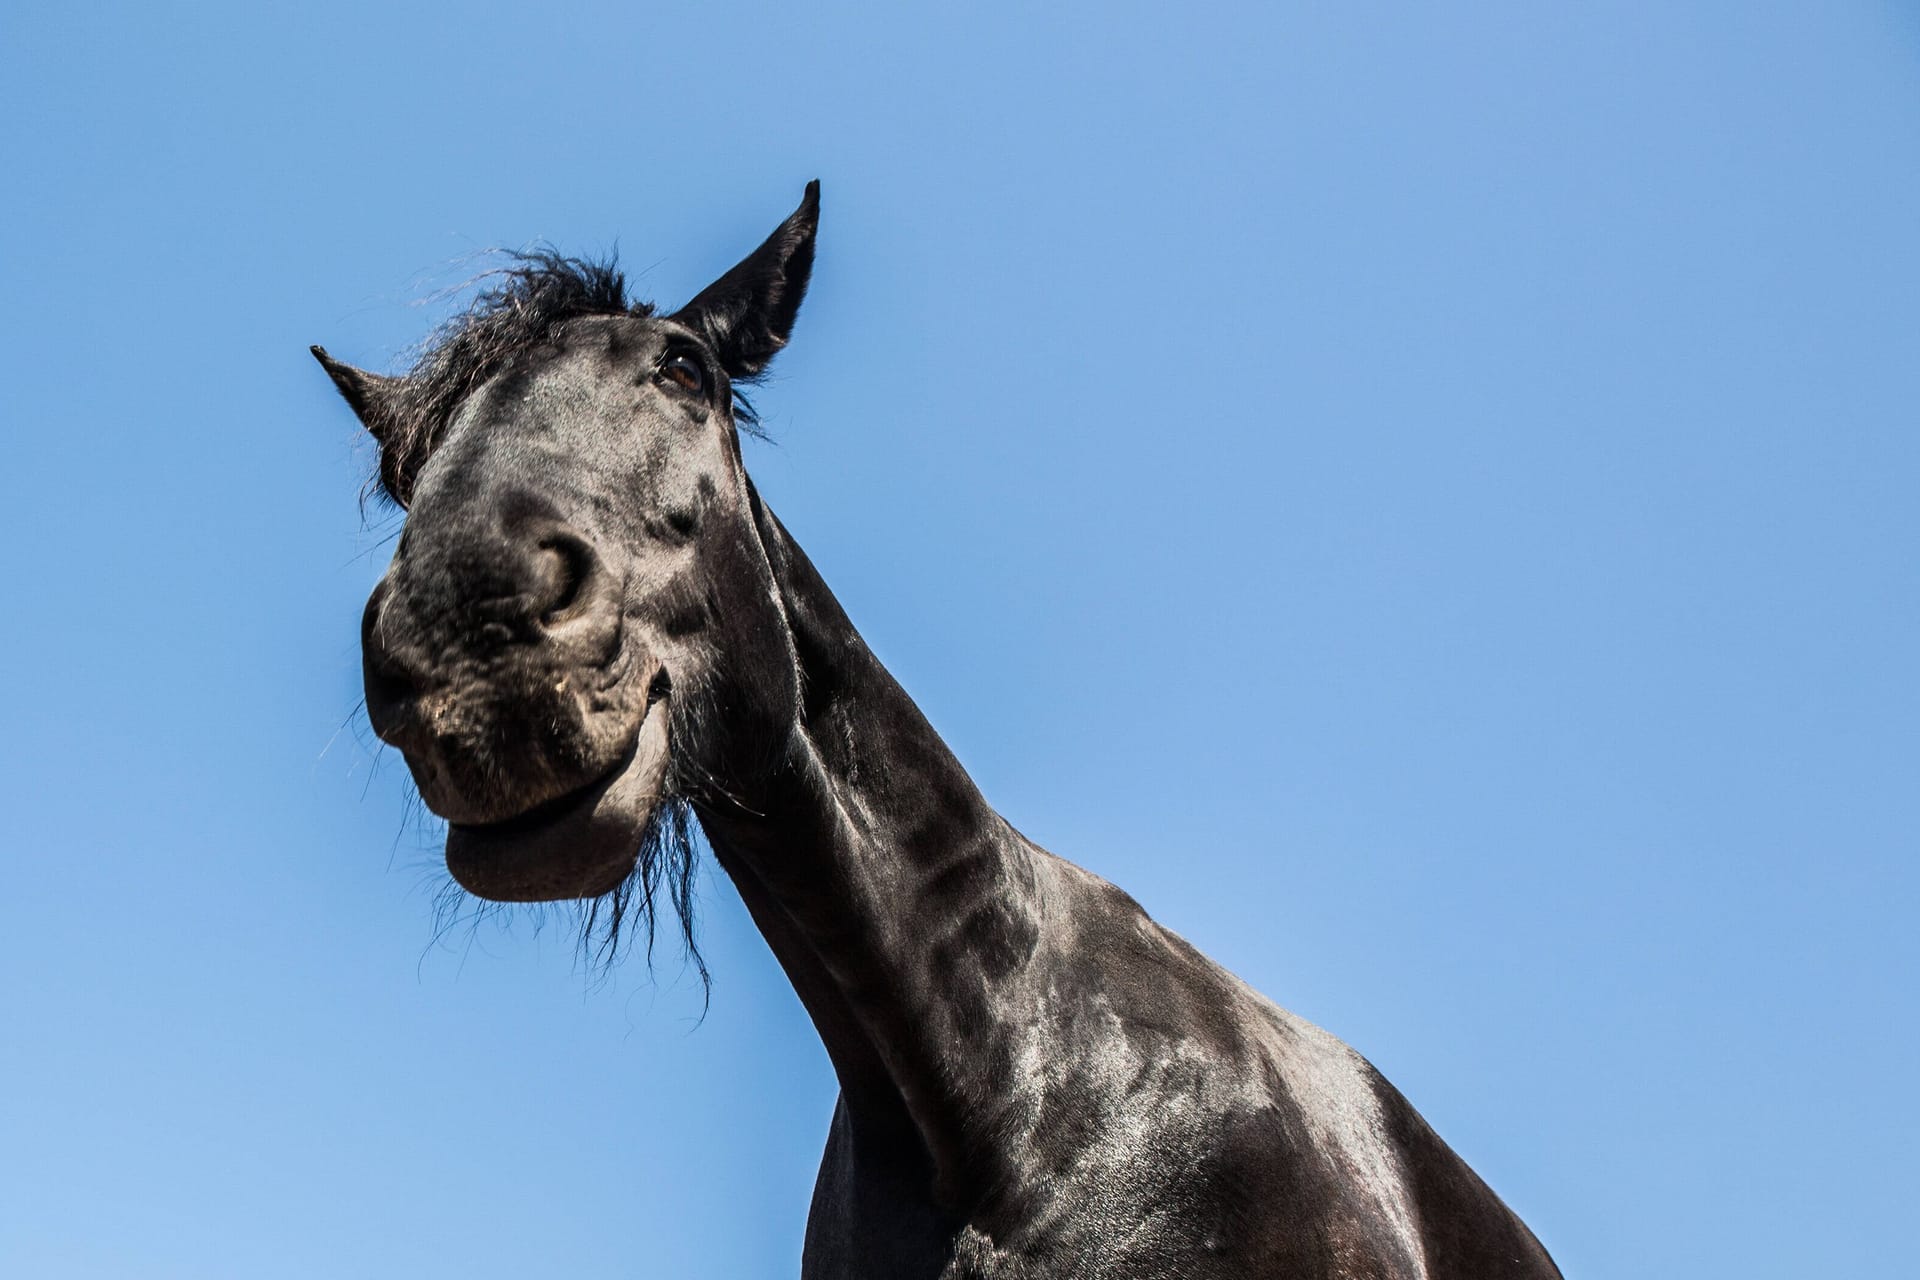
point(580, 845)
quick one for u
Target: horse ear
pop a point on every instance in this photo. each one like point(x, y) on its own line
point(373, 397)
point(747, 313)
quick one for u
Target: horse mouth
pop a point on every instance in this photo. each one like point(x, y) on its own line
point(577, 845)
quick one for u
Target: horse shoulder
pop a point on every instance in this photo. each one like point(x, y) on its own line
point(1245, 1138)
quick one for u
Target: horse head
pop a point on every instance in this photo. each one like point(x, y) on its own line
point(580, 582)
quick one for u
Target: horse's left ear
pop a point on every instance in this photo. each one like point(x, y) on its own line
point(748, 312)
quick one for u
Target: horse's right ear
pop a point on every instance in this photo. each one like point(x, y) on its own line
point(374, 398)
point(747, 313)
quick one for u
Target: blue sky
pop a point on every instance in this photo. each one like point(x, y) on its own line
point(1422, 498)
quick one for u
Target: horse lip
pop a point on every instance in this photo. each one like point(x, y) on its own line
point(435, 731)
point(550, 811)
point(621, 661)
point(577, 845)
point(554, 808)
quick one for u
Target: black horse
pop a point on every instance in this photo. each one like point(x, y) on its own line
point(593, 630)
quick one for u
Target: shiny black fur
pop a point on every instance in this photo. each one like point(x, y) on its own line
point(1037, 1080)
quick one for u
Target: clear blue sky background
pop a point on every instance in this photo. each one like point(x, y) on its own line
point(1422, 496)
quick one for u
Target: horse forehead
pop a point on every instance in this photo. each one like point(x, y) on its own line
point(571, 371)
point(594, 346)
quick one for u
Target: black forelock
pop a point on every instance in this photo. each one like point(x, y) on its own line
point(524, 302)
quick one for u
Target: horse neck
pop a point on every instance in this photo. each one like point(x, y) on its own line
point(898, 902)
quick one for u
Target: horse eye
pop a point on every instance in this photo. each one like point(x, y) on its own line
point(686, 372)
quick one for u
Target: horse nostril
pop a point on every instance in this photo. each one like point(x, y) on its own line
point(387, 698)
point(568, 564)
point(389, 683)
